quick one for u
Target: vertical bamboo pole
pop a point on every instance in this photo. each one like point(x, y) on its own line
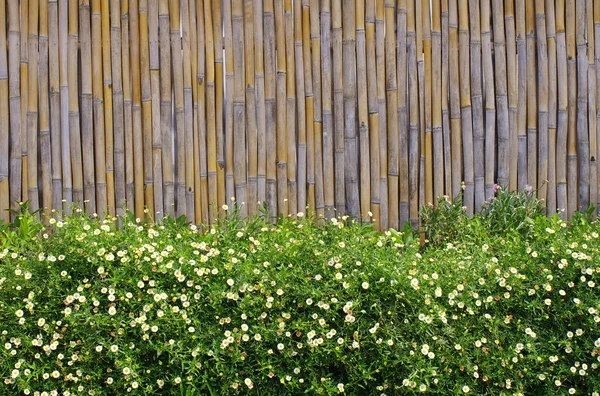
point(140, 131)
point(372, 79)
point(562, 122)
point(328, 142)
point(204, 93)
point(349, 75)
point(446, 125)
point(118, 106)
point(414, 133)
point(309, 103)
point(391, 88)
point(501, 96)
point(572, 152)
point(382, 110)
point(270, 107)
point(301, 103)
point(511, 72)
point(465, 104)
point(127, 74)
point(251, 129)
point(455, 100)
point(315, 35)
point(188, 116)
point(146, 98)
point(592, 107)
point(597, 78)
point(281, 96)
point(583, 140)
point(196, 90)
point(551, 198)
point(44, 119)
point(338, 109)
point(403, 134)
point(239, 104)
point(87, 122)
point(4, 119)
point(218, 47)
point(489, 92)
point(54, 85)
point(14, 85)
point(436, 101)
point(32, 104)
point(259, 79)
point(157, 171)
point(532, 113)
point(108, 108)
point(363, 112)
point(211, 124)
point(522, 162)
point(166, 118)
point(421, 90)
point(291, 108)
point(98, 109)
point(428, 93)
point(542, 98)
point(477, 103)
point(24, 84)
point(229, 82)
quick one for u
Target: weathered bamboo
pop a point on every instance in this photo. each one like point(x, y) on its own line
point(562, 121)
point(551, 198)
point(32, 102)
point(446, 125)
point(413, 116)
point(363, 112)
point(188, 108)
point(592, 107)
point(87, 107)
point(421, 96)
point(503, 134)
point(14, 32)
point(542, 99)
point(146, 98)
point(118, 106)
point(381, 108)
point(54, 92)
point(465, 104)
point(597, 78)
point(391, 88)
point(511, 74)
point(270, 107)
point(338, 108)
point(166, 118)
point(239, 103)
point(315, 36)
point(532, 112)
point(583, 140)
point(201, 106)
point(428, 93)
point(436, 101)
point(98, 110)
point(259, 80)
point(401, 65)
point(455, 100)
point(229, 82)
point(477, 105)
point(251, 129)
point(44, 116)
point(327, 103)
point(211, 123)
point(310, 105)
point(128, 109)
point(157, 171)
point(489, 91)
point(218, 48)
point(4, 119)
point(24, 82)
point(375, 199)
point(349, 75)
point(522, 94)
point(572, 152)
point(291, 108)
point(108, 109)
point(281, 117)
point(197, 89)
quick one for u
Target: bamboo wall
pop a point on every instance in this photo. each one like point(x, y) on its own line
point(358, 107)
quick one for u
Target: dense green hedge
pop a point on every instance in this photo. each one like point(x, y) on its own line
point(298, 308)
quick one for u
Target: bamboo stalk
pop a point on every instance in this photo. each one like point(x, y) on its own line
point(421, 90)
point(391, 88)
point(188, 115)
point(317, 117)
point(290, 109)
point(562, 122)
point(127, 75)
point(501, 97)
point(204, 92)
point(197, 89)
point(372, 80)
point(259, 77)
point(239, 104)
point(349, 76)
point(157, 171)
point(428, 109)
point(403, 162)
point(44, 116)
point(489, 91)
point(572, 152)
point(592, 107)
point(436, 101)
point(477, 105)
point(363, 112)
point(281, 118)
point(32, 105)
point(414, 133)
point(446, 124)
point(270, 107)
point(551, 197)
point(310, 105)
point(465, 104)
point(381, 108)
point(327, 103)
point(338, 109)
point(218, 47)
point(146, 102)
point(583, 140)
point(4, 119)
point(108, 108)
point(532, 110)
point(98, 109)
point(211, 122)
point(166, 118)
point(522, 162)
point(597, 78)
point(511, 72)
point(542, 98)
point(229, 82)
point(251, 128)
point(14, 85)
point(54, 88)
point(24, 84)
point(455, 100)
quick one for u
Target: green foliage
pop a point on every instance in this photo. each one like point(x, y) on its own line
point(22, 233)
point(446, 222)
point(249, 307)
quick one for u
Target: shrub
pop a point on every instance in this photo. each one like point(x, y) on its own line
point(254, 308)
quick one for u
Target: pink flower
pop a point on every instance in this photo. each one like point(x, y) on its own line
point(528, 189)
point(496, 188)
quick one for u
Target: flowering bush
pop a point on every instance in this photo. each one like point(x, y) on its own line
point(254, 308)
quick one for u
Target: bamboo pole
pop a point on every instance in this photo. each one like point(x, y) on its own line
point(489, 91)
point(197, 89)
point(14, 85)
point(86, 113)
point(146, 102)
point(310, 105)
point(403, 137)
point(551, 197)
point(572, 152)
point(54, 88)
point(363, 112)
point(317, 114)
point(562, 121)
point(188, 115)
point(211, 122)
point(583, 140)
point(413, 105)
point(382, 110)
point(436, 101)
point(446, 125)
point(501, 96)
point(44, 111)
point(477, 105)
point(455, 100)
point(4, 119)
point(127, 75)
point(239, 104)
point(465, 104)
point(218, 47)
point(511, 73)
point(281, 118)
point(98, 109)
point(391, 88)
point(327, 103)
point(259, 79)
point(597, 78)
point(338, 109)
point(157, 171)
point(428, 109)
point(251, 128)
point(108, 108)
point(291, 108)
point(372, 80)
point(349, 76)
point(270, 107)
point(24, 84)
point(204, 93)
point(229, 82)
point(592, 107)
point(522, 95)
point(32, 104)
point(166, 108)
point(421, 90)
point(532, 109)
point(542, 98)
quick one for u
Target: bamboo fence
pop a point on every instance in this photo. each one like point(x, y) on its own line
point(371, 108)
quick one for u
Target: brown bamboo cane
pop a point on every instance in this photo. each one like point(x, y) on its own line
point(196, 90)
point(315, 35)
point(218, 48)
point(32, 106)
point(446, 124)
point(596, 21)
point(583, 140)
point(437, 159)
point(391, 87)
point(270, 107)
point(98, 110)
point(572, 152)
point(477, 104)
point(108, 108)
point(281, 117)
point(146, 101)
point(166, 108)
point(542, 99)
point(239, 105)
point(229, 82)
point(301, 107)
point(421, 90)
point(14, 88)
point(363, 112)
point(127, 74)
point(350, 119)
point(522, 162)
point(372, 80)
point(455, 100)
point(338, 108)
point(157, 171)
point(403, 137)
point(250, 89)
point(562, 121)
point(511, 74)
point(54, 92)
point(310, 105)
point(592, 107)
point(44, 116)
point(24, 84)
point(211, 122)
point(118, 106)
point(532, 109)
point(503, 118)
point(291, 108)
point(177, 67)
point(381, 108)
point(204, 92)
point(87, 107)
point(4, 119)
point(489, 93)
point(188, 115)
point(465, 104)
point(414, 132)
point(259, 77)
point(428, 100)
point(551, 197)
point(327, 103)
